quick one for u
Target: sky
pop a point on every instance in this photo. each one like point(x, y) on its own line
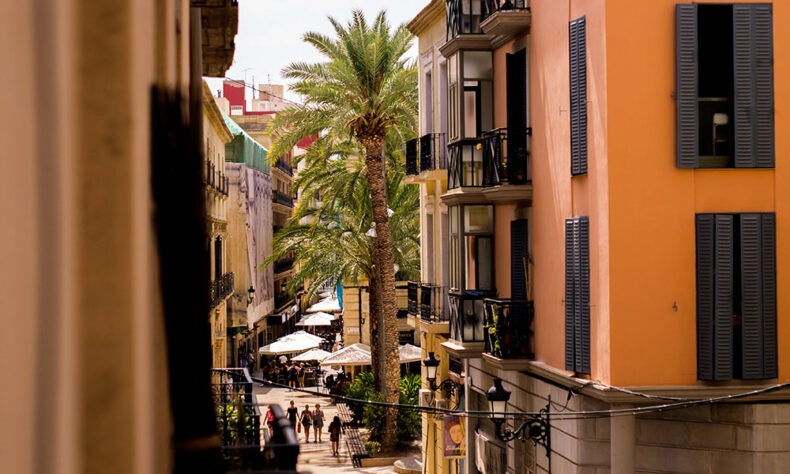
point(270, 33)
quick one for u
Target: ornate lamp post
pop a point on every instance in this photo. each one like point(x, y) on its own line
point(536, 428)
point(447, 386)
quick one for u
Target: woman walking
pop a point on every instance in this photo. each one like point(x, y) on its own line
point(300, 375)
point(318, 423)
point(334, 434)
point(292, 376)
point(292, 411)
point(307, 420)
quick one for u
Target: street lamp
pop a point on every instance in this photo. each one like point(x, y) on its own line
point(250, 295)
point(431, 364)
point(536, 428)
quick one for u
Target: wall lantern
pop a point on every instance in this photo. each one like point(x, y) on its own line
point(250, 295)
point(536, 428)
point(447, 386)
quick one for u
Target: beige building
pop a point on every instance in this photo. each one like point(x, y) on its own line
point(104, 342)
point(216, 135)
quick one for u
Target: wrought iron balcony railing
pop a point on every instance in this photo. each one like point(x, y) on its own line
point(282, 299)
point(247, 444)
point(433, 151)
point(434, 303)
point(412, 165)
point(508, 324)
point(466, 316)
point(464, 17)
point(285, 167)
point(220, 288)
point(283, 265)
point(492, 6)
point(280, 197)
point(505, 158)
point(465, 163)
point(413, 295)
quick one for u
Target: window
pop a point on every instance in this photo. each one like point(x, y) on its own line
point(578, 88)
point(724, 96)
point(516, 69)
point(577, 295)
point(236, 110)
point(470, 98)
point(736, 296)
point(472, 247)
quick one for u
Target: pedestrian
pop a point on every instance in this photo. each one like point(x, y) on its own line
point(334, 434)
point(301, 375)
point(292, 372)
point(307, 421)
point(270, 421)
point(318, 423)
point(292, 413)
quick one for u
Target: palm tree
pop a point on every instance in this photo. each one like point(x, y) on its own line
point(365, 93)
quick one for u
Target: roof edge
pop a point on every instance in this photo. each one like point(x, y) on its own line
point(426, 16)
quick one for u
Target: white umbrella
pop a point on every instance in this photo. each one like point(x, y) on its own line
point(355, 354)
point(299, 341)
point(312, 354)
point(409, 353)
point(331, 305)
point(316, 319)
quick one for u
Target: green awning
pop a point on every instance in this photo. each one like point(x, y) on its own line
point(244, 149)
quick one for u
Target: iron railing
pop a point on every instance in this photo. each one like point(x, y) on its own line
point(505, 159)
point(280, 197)
point(247, 444)
point(508, 324)
point(434, 303)
point(412, 295)
point(215, 179)
point(433, 151)
point(282, 299)
point(463, 17)
point(412, 166)
point(466, 316)
point(285, 167)
point(465, 163)
point(492, 6)
point(220, 288)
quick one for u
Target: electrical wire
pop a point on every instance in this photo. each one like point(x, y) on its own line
point(566, 415)
point(236, 81)
point(643, 395)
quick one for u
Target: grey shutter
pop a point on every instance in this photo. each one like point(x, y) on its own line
point(723, 298)
point(705, 235)
point(770, 369)
point(518, 259)
point(569, 299)
point(578, 94)
point(583, 307)
point(753, 85)
point(686, 72)
point(751, 296)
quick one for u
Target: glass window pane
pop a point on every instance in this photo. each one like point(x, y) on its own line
point(485, 263)
point(478, 218)
point(470, 113)
point(470, 272)
point(478, 65)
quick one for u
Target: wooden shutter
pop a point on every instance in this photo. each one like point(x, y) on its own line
point(723, 299)
point(583, 305)
point(577, 32)
point(518, 259)
point(753, 85)
point(758, 293)
point(705, 234)
point(686, 77)
point(569, 296)
point(516, 65)
point(770, 369)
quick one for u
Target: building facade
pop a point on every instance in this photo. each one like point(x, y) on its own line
point(585, 270)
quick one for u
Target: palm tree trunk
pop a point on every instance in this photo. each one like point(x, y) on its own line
point(385, 266)
point(374, 323)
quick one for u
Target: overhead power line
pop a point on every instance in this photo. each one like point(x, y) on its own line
point(244, 83)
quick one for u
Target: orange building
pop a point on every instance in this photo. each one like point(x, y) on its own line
point(607, 229)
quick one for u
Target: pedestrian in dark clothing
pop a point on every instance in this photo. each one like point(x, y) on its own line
point(293, 412)
point(334, 429)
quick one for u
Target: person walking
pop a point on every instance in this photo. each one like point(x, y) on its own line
point(318, 423)
point(292, 413)
point(292, 376)
point(300, 375)
point(307, 421)
point(269, 417)
point(334, 434)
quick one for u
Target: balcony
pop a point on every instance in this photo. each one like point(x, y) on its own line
point(509, 334)
point(284, 167)
point(433, 152)
point(463, 27)
point(216, 180)
point(279, 197)
point(506, 18)
point(465, 164)
point(412, 295)
point(281, 300)
point(467, 331)
point(505, 162)
point(434, 303)
point(283, 265)
point(220, 289)
point(246, 445)
point(412, 165)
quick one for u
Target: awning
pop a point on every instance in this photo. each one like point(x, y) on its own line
point(328, 305)
point(299, 341)
point(359, 354)
point(316, 319)
point(312, 354)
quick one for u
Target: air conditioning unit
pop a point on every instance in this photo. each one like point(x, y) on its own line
point(426, 397)
point(442, 403)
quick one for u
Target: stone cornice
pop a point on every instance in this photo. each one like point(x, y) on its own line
point(426, 17)
point(214, 115)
